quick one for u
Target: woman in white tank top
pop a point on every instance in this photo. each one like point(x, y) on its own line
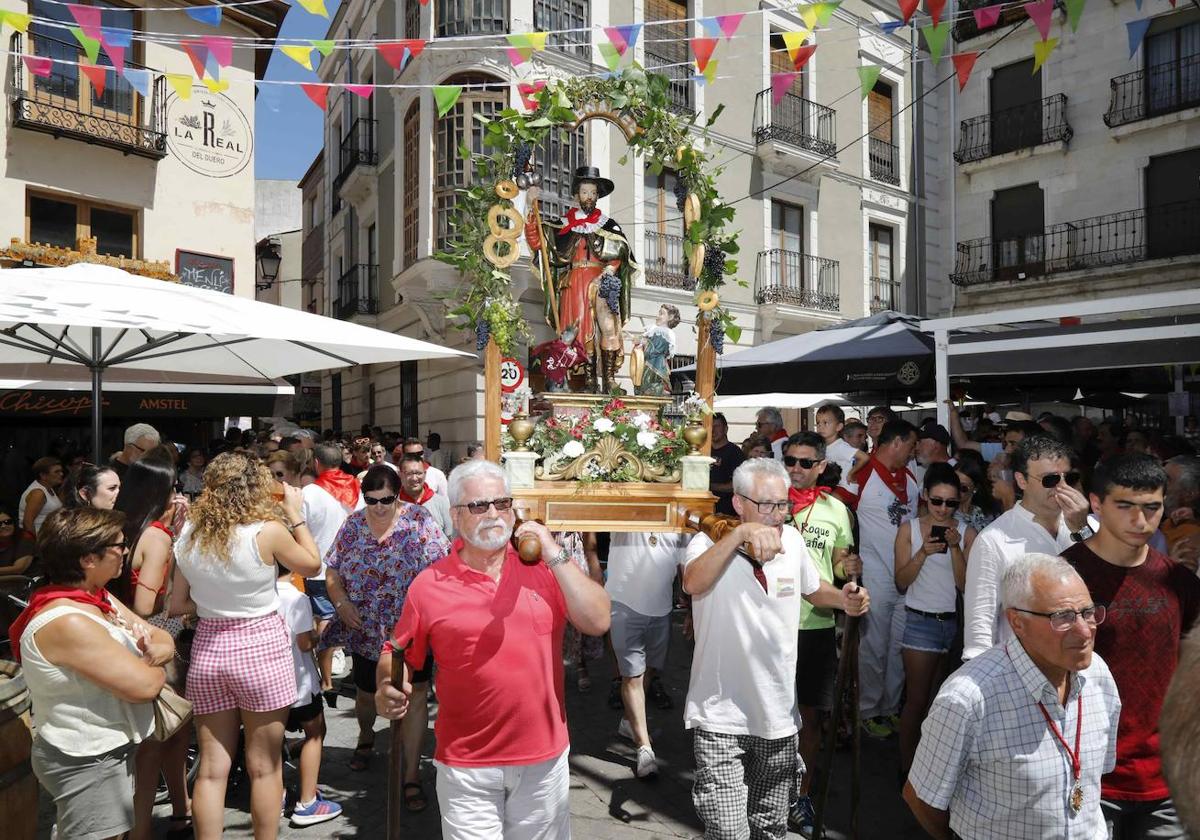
point(40, 498)
point(931, 568)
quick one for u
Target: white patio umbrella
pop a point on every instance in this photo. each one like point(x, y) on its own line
point(100, 318)
point(779, 400)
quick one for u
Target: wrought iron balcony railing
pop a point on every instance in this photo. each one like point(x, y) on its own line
point(885, 294)
point(884, 158)
point(358, 148)
point(470, 17)
point(798, 279)
point(65, 104)
point(795, 121)
point(358, 292)
point(666, 262)
point(1161, 89)
point(1022, 127)
point(679, 91)
point(1169, 230)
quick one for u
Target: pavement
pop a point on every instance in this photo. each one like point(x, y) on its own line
point(607, 801)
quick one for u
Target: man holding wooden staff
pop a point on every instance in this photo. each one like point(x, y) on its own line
point(496, 627)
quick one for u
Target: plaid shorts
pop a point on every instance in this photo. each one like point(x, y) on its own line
point(241, 663)
point(743, 785)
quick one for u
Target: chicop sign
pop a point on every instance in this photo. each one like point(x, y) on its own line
point(208, 133)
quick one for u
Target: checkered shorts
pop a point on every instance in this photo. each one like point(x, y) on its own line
point(743, 785)
point(241, 663)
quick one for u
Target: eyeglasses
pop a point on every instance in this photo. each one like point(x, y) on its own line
point(934, 501)
point(806, 463)
point(279, 474)
point(482, 505)
point(966, 489)
point(1064, 620)
point(768, 507)
point(120, 545)
point(1051, 480)
point(4, 523)
point(386, 500)
point(138, 448)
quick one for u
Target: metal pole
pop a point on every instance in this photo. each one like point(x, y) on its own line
point(941, 375)
point(97, 396)
point(395, 757)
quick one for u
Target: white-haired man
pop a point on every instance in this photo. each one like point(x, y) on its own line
point(769, 423)
point(496, 628)
point(746, 593)
point(1016, 741)
point(139, 439)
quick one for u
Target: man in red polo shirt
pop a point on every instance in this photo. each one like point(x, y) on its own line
point(496, 628)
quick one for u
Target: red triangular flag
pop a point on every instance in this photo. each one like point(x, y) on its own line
point(95, 76)
point(198, 53)
point(963, 64)
point(803, 54)
point(703, 48)
point(319, 94)
point(393, 54)
point(935, 7)
point(38, 65)
point(528, 92)
point(907, 7)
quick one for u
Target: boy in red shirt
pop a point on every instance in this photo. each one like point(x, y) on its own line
point(1151, 604)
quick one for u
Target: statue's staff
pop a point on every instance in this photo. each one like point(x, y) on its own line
point(548, 283)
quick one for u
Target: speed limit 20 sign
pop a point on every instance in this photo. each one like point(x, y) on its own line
point(511, 375)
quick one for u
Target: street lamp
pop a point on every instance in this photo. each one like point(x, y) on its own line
point(269, 259)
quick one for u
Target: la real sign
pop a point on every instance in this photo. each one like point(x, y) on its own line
point(208, 133)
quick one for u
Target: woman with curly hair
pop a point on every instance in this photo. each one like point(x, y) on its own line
point(241, 673)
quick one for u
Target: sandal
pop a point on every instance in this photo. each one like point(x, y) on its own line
point(414, 802)
point(360, 759)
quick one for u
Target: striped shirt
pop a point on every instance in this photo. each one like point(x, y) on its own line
point(988, 755)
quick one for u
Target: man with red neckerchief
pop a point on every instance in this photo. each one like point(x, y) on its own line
point(415, 491)
point(888, 496)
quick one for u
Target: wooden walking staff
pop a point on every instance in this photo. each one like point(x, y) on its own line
point(395, 753)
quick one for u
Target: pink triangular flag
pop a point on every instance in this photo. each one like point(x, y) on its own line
point(781, 83)
point(88, 18)
point(529, 90)
point(515, 56)
point(221, 47)
point(935, 7)
point(1040, 12)
point(907, 7)
point(117, 56)
point(963, 64)
point(703, 48)
point(38, 65)
point(730, 23)
point(617, 39)
point(361, 90)
point(319, 94)
point(95, 76)
point(988, 16)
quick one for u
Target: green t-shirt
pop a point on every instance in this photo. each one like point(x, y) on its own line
point(825, 526)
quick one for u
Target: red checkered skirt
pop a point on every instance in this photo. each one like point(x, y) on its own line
point(241, 663)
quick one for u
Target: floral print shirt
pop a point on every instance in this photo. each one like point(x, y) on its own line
point(376, 575)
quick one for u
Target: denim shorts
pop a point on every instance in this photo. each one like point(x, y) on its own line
point(931, 635)
point(318, 596)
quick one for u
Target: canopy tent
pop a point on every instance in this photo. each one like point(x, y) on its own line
point(100, 318)
point(778, 400)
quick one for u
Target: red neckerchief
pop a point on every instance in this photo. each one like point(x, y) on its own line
point(426, 495)
point(575, 220)
point(342, 486)
point(43, 596)
point(779, 435)
point(896, 481)
point(805, 499)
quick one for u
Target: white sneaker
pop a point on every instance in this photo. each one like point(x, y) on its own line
point(646, 764)
point(624, 730)
point(340, 668)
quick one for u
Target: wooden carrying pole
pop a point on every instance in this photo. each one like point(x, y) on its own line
point(395, 757)
point(706, 377)
point(491, 401)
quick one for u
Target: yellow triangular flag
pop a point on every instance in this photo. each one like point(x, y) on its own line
point(710, 71)
point(1041, 51)
point(808, 13)
point(16, 20)
point(298, 53)
point(216, 86)
point(182, 83)
point(794, 41)
point(314, 7)
point(538, 40)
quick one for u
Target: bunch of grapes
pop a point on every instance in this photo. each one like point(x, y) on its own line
point(716, 336)
point(714, 261)
point(482, 332)
point(521, 156)
point(610, 290)
point(681, 191)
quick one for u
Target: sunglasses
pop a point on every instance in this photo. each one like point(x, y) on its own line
point(966, 489)
point(938, 502)
point(806, 463)
point(4, 523)
point(482, 505)
point(1051, 480)
point(386, 500)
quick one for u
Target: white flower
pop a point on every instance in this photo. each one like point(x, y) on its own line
point(572, 449)
point(647, 440)
point(604, 425)
point(641, 420)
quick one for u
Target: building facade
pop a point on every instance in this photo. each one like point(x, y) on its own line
point(832, 227)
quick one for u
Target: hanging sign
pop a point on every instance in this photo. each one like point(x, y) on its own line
point(208, 133)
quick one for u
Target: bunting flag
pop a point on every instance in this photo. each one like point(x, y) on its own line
point(706, 76)
point(116, 37)
point(702, 49)
point(38, 65)
point(361, 91)
point(445, 96)
point(198, 53)
point(1041, 51)
point(623, 37)
point(935, 7)
point(825, 11)
point(220, 47)
point(91, 46)
point(808, 14)
point(1074, 13)
point(803, 54)
point(317, 7)
point(181, 83)
point(522, 46)
point(528, 92)
point(95, 75)
point(710, 27)
point(210, 15)
point(729, 24)
point(88, 18)
point(517, 57)
point(890, 26)
point(300, 54)
point(117, 56)
point(213, 67)
point(935, 37)
point(1041, 12)
point(867, 77)
point(399, 53)
point(139, 80)
point(319, 94)
point(538, 40)
point(963, 64)
point(1138, 3)
point(1136, 30)
point(16, 20)
point(610, 54)
point(794, 41)
point(781, 83)
point(988, 16)
point(216, 86)
point(325, 48)
point(907, 7)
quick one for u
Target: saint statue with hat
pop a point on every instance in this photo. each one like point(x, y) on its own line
point(588, 272)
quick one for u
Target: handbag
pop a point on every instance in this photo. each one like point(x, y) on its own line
point(172, 711)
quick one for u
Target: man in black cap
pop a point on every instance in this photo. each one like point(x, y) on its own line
point(591, 272)
point(933, 443)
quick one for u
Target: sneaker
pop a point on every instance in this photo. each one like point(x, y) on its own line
point(614, 696)
point(646, 764)
point(318, 811)
point(894, 722)
point(659, 695)
point(801, 816)
point(340, 668)
point(624, 730)
point(877, 727)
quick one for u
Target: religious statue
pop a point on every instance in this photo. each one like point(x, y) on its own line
point(656, 347)
point(559, 356)
point(588, 270)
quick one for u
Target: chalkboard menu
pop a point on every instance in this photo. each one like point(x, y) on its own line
point(205, 271)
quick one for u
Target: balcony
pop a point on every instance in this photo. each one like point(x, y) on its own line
point(967, 28)
point(1170, 230)
point(679, 89)
point(1154, 91)
point(797, 279)
point(358, 156)
point(64, 104)
point(1023, 127)
point(794, 136)
point(666, 264)
point(358, 292)
point(885, 294)
point(884, 158)
point(470, 17)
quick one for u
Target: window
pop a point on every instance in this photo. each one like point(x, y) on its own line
point(885, 291)
point(412, 18)
point(471, 17)
point(879, 112)
point(1018, 224)
point(412, 180)
point(556, 16)
point(559, 159)
point(781, 61)
point(63, 222)
point(787, 227)
point(1173, 68)
point(1015, 107)
point(664, 261)
point(667, 49)
point(661, 215)
point(409, 424)
point(1173, 204)
point(65, 86)
point(452, 131)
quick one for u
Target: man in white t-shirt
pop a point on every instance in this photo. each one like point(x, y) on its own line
point(829, 424)
point(742, 694)
point(435, 478)
point(888, 497)
point(641, 578)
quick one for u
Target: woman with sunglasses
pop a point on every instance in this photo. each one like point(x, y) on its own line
point(378, 552)
point(16, 549)
point(931, 568)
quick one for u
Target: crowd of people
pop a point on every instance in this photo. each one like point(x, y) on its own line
point(1019, 591)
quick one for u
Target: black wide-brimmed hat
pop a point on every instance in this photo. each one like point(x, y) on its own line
point(591, 173)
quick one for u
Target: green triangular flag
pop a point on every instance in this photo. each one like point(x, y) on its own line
point(323, 47)
point(1074, 12)
point(445, 96)
point(91, 46)
point(868, 76)
point(610, 55)
point(935, 37)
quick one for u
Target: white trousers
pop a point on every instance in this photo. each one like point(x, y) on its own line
point(880, 665)
point(523, 802)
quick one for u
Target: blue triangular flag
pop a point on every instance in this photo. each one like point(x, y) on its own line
point(1139, 4)
point(116, 37)
point(210, 15)
point(712, 28)
point(630, 33)
point(139, 80)
point(213, 67)
point(890, 26)
point(1136, 30)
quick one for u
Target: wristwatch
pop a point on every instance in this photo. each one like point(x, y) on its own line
point(557, 560)
point(1084, 533)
